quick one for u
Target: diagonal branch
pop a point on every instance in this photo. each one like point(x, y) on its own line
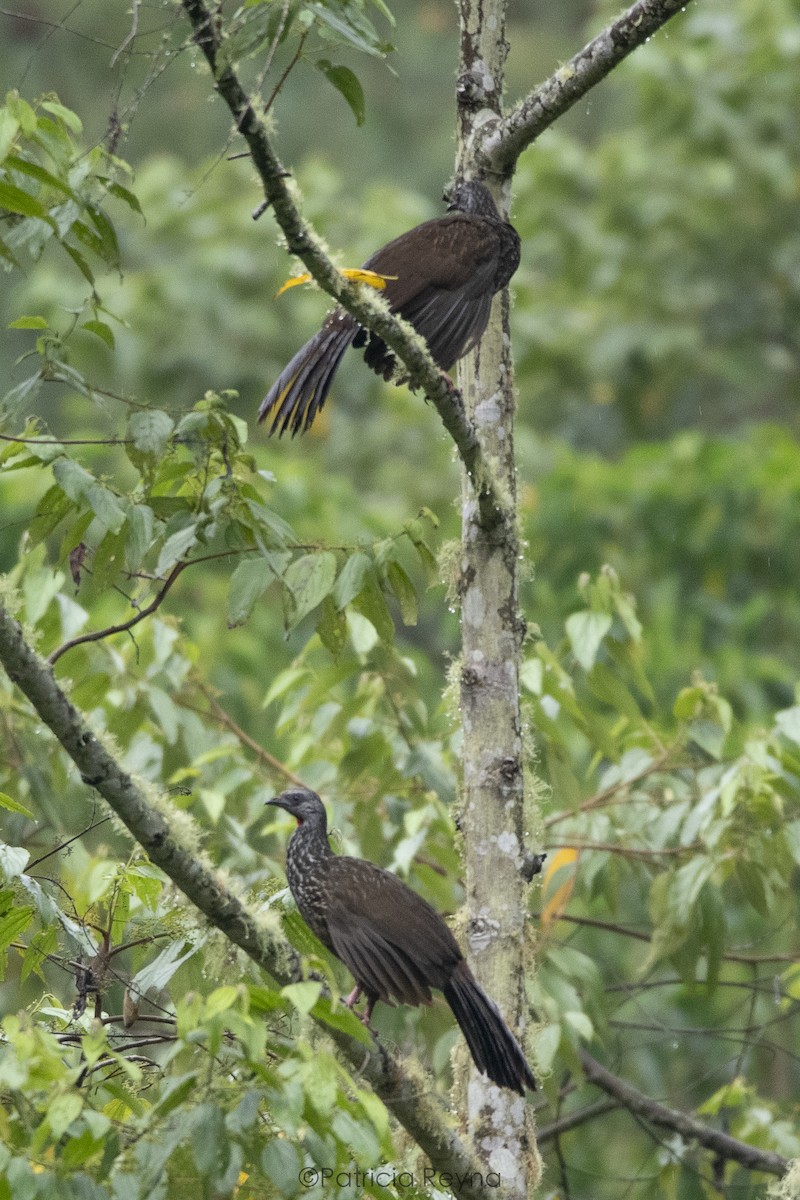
point(404, 1090)
point(688, 1127)
point(98, 635)
point(503, 141)
point(366, 306)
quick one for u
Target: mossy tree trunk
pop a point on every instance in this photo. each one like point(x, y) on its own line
point(493, 632)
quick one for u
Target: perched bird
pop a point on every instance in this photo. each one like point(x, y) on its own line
point(445, 274)
point(392, 941)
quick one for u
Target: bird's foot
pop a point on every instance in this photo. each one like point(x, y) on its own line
point(448, 382)
point(353, 999)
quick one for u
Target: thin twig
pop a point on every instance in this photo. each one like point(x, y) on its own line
point(64, 845)
point(601, 798)
point(625, 851)
point(640, 935)
point(99, 634)
point(131, 35)
point(223, 718)
point(274, 93)
point(546, 1133)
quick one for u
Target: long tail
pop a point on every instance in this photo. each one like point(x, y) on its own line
point(302, 387)
point(496, 1051)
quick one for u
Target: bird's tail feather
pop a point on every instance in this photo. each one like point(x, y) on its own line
point(496, 1051)
point(302, 387)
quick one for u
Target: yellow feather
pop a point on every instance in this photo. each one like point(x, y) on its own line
point(355, 274)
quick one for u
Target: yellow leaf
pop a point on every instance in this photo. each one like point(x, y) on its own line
point(558, 881)
point(355, 274)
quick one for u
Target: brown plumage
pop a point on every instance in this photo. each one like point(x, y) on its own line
point(396, 945)
point(447, 271)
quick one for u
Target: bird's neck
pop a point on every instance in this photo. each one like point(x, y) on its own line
point(308, 846)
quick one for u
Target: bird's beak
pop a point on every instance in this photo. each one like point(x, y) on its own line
point(279, 802)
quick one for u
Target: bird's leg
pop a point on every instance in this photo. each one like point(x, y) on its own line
point(354, 997)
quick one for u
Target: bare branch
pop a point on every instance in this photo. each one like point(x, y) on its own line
point(546, 1133)
point(503, 141)
point(602, 798)
point(217, 713)
point(686, 1126)
point(98, 635)
point(403, 1088)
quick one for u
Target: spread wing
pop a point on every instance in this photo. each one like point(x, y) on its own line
point(445, 272)
point(394, 944)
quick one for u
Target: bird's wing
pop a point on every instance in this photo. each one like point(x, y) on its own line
point(445, 273)
point(391, 939)
point(455, 253)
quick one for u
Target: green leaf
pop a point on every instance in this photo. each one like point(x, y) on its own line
point(141, 525)
point(351, 579)
point(13, 860)
point(586, 631)
point(608, 687)
point(303, 995)
point(108, 247)
point(332, 627)
point(50, 512)
point(342, 1018)
point(158, 973)
point(309, 579)
point(175, 548)
point(221, 999)
point(371, 603)
point(72, 478)
point(248, 583)
point(101, 330)
point(122, 193)
point(346, 82)
point(174, 1093)
point(106, 507)
point(9, 128)
point(8, 256)
point(150, 430)
point(80, 262)
point(791, 831)
point(13, 923)
point(15, 200)
point(280, 1163)
point(70, 119)
point(29, 323)
point(404, 591)
point(36, 172)
point(62, 1112)
point(14, 806)
point(347, 20)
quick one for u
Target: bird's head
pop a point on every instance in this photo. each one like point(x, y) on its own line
point(470, 196)
point(303, 804)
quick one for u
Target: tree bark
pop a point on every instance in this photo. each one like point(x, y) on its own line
point(493, 631)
